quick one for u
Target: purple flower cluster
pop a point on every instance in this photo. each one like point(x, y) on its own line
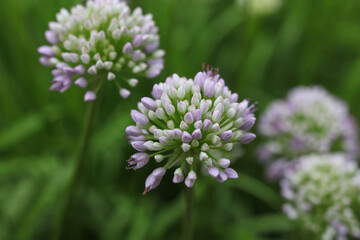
point(185, 123)
point(308, 121)
point(102, 40)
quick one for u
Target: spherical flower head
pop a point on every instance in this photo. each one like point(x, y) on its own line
point(323, 195)
point(310, 120)
point(187, 122)
point(99, 41)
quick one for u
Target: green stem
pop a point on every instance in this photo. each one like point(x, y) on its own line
point(79, 163)
point(187, 224)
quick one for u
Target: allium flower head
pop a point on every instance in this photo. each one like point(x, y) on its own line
point(323, 194)
point(102, 40)
point(185, 123)
point(309, 120)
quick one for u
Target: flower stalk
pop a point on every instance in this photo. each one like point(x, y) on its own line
point(187, 233)
point(79, 162)
point(187, 224)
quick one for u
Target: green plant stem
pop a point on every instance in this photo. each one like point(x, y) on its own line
point(187, 224)
point(79, 163)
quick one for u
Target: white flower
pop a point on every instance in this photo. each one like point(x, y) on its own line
point(323, 193)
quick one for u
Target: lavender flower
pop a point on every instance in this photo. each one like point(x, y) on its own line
point(187, 123)
point(323, 195)
point(309, 120)
point(102, 40)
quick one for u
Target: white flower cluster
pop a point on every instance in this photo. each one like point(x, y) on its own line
point(102, 40)
point(309, 120)
point(185, 123)
point(323, 194)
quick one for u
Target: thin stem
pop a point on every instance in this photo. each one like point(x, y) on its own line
point(187, 224)
point(79, 163)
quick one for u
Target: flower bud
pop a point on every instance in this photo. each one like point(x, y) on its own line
point(149, 103)
point(158, 157)
point(247, 138)
point(138, 146)
point(190, 179)
point(178, 176)
point(231, 173)
point(124, 93)
point(139, 118)
point(226, 136)
point(213, 172)
point(89, 96)
point(207, 124)
point(186, 137)
point(189, 118)
point(248, 123)
point(224, 162)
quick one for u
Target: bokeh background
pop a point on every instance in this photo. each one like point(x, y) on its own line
point(262, 52)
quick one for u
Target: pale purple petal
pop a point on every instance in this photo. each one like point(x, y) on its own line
point(197, 114)
point(248, 123)
point(137, 40)
point(157, 91)
point(213, 171)
point(226, 136)
point(124, 93)
point(186, 137)
point(149, 103)
point(207, 124)
point(138, 146)
point(189, 118)
point(247, 138)
point(127, 49)
point(51, 37)
point(139, 117)
point(222, 177)
point(89, 96)
point(133, 131)
point(224, 163)
point(81, 82)
point(231, 173)
point(46, 51)
point(196, 134)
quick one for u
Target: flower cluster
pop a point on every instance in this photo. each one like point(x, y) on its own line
point(309, 120)
point(102, 40)
point(185, 124)
point(323, 193)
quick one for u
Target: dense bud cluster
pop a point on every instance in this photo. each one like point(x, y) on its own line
point(309, 120)
point(323, 194)
point(102, 40)
point(185, 123)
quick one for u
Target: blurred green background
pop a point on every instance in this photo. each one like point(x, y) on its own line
point(260, 56)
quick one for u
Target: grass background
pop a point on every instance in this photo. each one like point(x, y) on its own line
point(305, 42)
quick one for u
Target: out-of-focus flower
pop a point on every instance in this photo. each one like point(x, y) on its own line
point(260, 7)
point(323, 194)
point(309, 120)
point(99, 41)
point(185, 123)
